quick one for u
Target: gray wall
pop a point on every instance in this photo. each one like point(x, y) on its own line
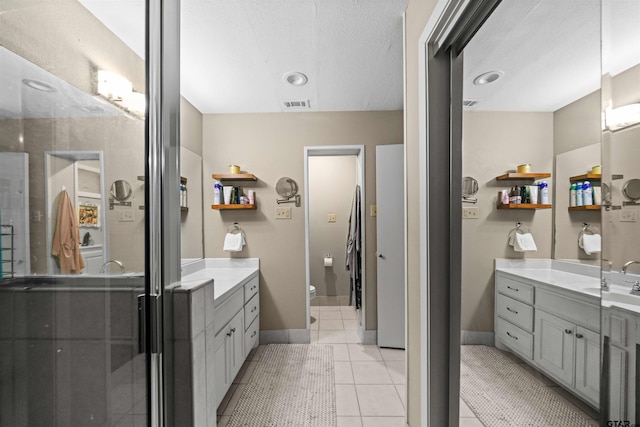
point(493, 144)
point(332, 182)
point(272, 146)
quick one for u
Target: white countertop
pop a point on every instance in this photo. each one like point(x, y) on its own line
point(567, 276)
point(573, 282)
point(227, 274)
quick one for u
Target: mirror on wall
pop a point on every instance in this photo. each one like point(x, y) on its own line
point(620, 312)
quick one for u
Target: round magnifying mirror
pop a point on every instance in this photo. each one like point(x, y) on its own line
point(121, 190)
point(631, 189)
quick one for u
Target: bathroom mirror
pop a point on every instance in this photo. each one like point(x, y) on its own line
point(121, 190)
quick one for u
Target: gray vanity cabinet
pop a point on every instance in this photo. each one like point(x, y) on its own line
point(555, 330)
point(228, 355)
point(554, 346)
point(621, 329)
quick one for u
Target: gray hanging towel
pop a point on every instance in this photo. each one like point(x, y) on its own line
point(353, 260)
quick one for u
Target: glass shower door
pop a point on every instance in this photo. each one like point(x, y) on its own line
point(73, 156)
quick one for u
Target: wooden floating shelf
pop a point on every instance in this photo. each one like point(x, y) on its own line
point(524, 206)
point(586, 176)
point(514, 176)
point(234, 177)
point(184, 209)
point(234, 206)
point(584, 208)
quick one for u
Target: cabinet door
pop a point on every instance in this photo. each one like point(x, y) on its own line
point(588, 365)
point(220, 365)
point(554, 346)
point(236, 344)
point(617, 383)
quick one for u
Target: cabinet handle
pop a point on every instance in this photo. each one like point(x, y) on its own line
point(513, 289)
point(568, 331)
point(253, 309)
point(253, 334)
point(579, 336)
point(515, 338)
point(233, 330)
point(229, 333)
point(511, 310)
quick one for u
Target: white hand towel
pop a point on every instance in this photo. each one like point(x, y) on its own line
point(233, 242)
point(591, 243)
point(524, 243)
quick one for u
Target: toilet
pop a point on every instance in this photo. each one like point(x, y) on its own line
point(312, 292)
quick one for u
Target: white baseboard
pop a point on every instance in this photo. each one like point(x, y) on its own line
point(477, 338)
point(285, 336)
point(368, 336)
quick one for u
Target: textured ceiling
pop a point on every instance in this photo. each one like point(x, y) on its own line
point(549, 51)
point(234, 54)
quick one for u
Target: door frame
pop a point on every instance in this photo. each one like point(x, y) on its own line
point(337, 150)
point(451, 25)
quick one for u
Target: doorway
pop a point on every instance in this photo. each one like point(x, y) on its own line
point(355, 153)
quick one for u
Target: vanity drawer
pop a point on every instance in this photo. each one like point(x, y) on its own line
point(581, 313)
point(514, 289)
point(516, 312)
point(515, 338)
point(251, 337)
point(225, 312)
point(251, 288)
point(251, 310)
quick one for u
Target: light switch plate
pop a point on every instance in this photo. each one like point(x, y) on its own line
point(627, 215)
point(471, 213)
point(283, 212)
point(373, 210)
point(125, 215)
point(331, 217)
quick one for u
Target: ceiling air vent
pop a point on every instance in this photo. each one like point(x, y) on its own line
point(296, 105)
point(468, 103)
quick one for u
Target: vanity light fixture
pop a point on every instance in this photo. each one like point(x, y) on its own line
point(119, 91)
point(621, 117)
point(488, 77)
point(38, 85)
point(296, 78)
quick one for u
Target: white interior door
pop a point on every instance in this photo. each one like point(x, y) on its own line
point(390, 251)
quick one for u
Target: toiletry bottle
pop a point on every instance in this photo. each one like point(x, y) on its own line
point(579, 194)
point(587, 193)
point(544, 193)
point(523, 194)
point(505, 197)
point(513, 195)
point(217, 193)
point(572, 194)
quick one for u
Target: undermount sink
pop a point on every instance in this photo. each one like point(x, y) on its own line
point(621, 297)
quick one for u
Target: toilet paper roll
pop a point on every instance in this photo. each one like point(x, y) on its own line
point(328, 261)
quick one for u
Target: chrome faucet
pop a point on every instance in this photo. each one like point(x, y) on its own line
point(603, 281)
point(115, 261)
point(635, 290)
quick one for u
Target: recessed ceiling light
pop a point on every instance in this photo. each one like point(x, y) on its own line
point(38, 85)
point(296, 78)
point(486, 78)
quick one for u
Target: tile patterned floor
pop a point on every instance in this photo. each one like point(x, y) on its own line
point(370, 381)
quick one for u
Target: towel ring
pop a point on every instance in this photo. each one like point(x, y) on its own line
point(520, 228)
point(235, 228)
point(587, 229)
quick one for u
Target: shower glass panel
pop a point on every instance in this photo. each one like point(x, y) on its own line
point(72, 123)
point(621, 207)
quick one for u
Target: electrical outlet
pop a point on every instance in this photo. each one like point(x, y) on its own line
point(627, 215)
point(331, 218)
point(125, 215)
point(471, 213)
point(283, 212)
point(373, 210)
